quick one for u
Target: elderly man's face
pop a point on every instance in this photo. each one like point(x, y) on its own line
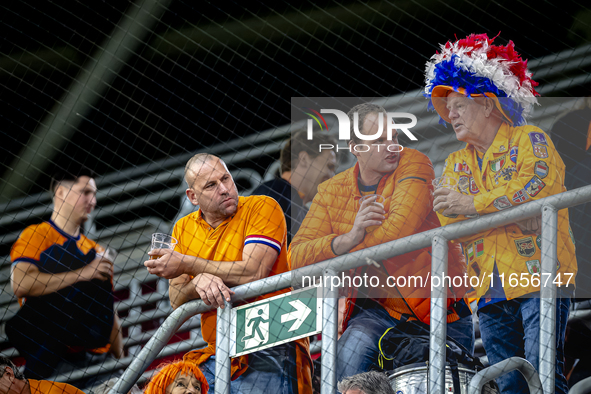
point(467, 117)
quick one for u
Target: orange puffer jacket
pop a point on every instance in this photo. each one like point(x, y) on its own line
point(409, 210)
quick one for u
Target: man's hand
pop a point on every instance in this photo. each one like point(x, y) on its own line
point(212, 290)
point(531, 225)
point(453, 203)
point(369, 214)
point(169, 265)
point(98, 268)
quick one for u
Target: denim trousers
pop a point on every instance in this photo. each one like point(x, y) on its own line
point(269, 370)
point(357, 349)
point(512, 328)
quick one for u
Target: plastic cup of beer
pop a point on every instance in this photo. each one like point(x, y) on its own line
point(378, 200)
point(446, 182)
point(162, 241)
point(108, 254)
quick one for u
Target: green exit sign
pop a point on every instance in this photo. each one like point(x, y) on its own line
point(276, 320)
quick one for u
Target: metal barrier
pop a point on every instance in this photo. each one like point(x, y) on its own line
point(582, 387)
point(511, 364)
point(437, 238)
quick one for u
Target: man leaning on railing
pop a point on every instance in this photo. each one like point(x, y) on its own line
point(228, 242)
point(485, 91)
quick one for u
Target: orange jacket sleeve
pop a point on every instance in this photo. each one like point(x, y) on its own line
point(411, 203)
point(313, 241)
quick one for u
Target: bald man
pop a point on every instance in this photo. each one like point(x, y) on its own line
point(230, 241)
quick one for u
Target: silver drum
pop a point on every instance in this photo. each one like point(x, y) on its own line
point(413, 379)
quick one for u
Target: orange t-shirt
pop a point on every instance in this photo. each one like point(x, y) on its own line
point(258, 219)
point(49, 387)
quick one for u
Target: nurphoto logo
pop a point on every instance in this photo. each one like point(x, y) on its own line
point(345, 128)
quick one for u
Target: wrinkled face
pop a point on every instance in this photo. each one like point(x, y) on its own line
point(379, 156)
point(184, 384)
point(467, 117)
point(75, 201)
point(321, 168)
point(213, 189)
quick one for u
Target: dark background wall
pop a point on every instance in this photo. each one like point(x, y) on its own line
point(212, 72)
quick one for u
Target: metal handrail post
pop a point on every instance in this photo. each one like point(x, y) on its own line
point(328, 371)
point(223, 363)
point(581, 387)
point(494, 371)
point(149, 352)
point(547, 357)
point(438, 324)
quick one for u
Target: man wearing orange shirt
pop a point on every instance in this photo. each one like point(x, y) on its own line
point(231, 241)
point(338, 223)
point(13, 382)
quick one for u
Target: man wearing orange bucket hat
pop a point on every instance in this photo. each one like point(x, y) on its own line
point(486, 92)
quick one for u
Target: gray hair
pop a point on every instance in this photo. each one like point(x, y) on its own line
point(362, 110)
point(5, 362)
point(369, 382)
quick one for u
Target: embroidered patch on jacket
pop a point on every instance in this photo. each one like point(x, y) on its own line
point(473, 187)
point(525, 247)
point(506, 173)
point(479, 247)
point(539, 241)
point(572, 238)
point(502, 203)
point(497, 164)
point(520, 196)
point(475, 268)
point(534, 186)
point(462, 167)
point(538, 139)
point(513, 154)
point(541, 169)
point(470, 252)
point(533, 266)
point(464, 183)
point(540, 151)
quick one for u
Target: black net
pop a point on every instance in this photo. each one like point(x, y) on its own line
point(133, 90)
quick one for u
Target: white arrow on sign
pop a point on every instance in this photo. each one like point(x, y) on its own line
point(300, 314)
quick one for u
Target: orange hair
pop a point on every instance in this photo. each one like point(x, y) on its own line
point(168, 372)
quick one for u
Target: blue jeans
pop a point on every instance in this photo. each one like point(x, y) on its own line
point(512, 328)
point(272, 369)
point(357, 349)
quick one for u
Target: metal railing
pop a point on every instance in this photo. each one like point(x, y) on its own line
point(582, 387)
point(437, 238)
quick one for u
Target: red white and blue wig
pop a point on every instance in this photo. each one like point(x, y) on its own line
point(474, 67)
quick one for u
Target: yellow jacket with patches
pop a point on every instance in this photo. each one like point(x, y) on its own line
point(521, 165)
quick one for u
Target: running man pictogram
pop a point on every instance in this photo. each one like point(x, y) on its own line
point(256, 322)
